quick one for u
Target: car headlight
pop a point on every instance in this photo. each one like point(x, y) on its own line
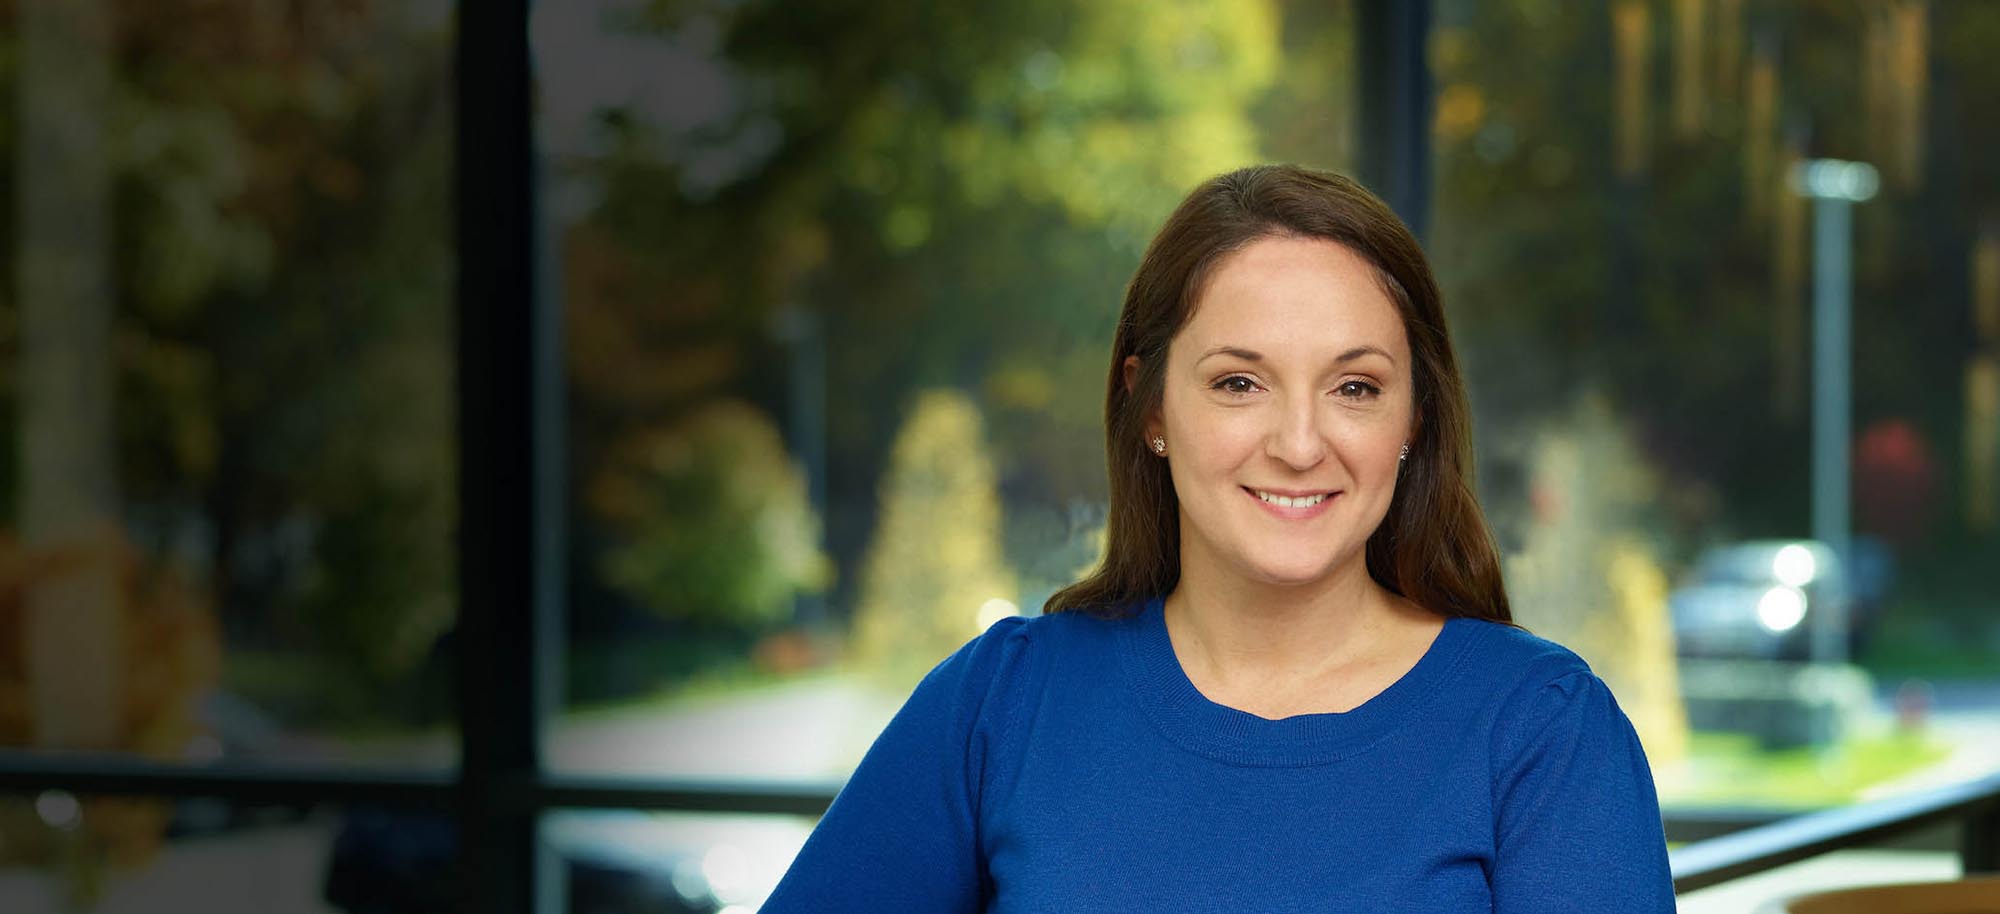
point(1781, 608)
point(1794, 565)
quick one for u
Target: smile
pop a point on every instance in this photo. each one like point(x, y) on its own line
point(1290, 501)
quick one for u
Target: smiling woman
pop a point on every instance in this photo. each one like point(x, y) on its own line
point(1279, 252)
point(1292, 684)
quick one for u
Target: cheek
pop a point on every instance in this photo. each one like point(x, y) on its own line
point(1212, 439)
point(1370, 448)
point(1371, 443)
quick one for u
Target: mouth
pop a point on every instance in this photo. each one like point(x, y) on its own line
point(1292, 503)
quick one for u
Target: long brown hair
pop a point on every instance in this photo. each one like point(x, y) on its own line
point(1433, 547)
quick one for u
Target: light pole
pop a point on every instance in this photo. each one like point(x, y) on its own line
point(1834, 186)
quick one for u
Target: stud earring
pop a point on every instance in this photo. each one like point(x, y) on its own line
point(1405, 455)
point(1159, 445)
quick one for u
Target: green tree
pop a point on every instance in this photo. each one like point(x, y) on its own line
point(715, 521)
point(284, 203)
point(228, 342)
point(956, 191)
point(278, 317)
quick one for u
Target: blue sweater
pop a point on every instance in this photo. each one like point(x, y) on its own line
point(1065, 763)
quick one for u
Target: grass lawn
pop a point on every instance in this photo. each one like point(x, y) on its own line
point(1729, 769)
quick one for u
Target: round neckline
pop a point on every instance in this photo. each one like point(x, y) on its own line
point(1189, 719)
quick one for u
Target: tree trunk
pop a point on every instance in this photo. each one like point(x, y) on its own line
point(69, 491)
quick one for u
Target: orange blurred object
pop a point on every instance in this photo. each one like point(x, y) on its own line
point(1974, 895)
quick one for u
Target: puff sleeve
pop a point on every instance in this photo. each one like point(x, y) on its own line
point(1576, 820)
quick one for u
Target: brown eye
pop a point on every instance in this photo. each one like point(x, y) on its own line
point(1236, 384)
point(1358, 390)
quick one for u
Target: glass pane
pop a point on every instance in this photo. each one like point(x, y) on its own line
point(838, 285)
point(61, 854)
point(1773, 543)
point(226, 500)
point(630, 861)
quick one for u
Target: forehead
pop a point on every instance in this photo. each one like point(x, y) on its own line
point(1304, 296)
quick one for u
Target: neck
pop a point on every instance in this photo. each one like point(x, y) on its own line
point(1249, 631)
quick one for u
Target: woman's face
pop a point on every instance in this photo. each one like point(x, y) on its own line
point(1286, 402)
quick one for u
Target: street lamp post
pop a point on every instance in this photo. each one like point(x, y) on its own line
point(1834, 186)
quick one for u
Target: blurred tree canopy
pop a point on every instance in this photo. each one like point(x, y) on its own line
point(1674, 276)
point(719, 527)
point(281, 338)
point(958, 193)
point(957, 190)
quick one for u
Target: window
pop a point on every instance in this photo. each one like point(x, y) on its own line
point(228, 503)
point(1635, 270)
point(562, 480)
point(835, 344)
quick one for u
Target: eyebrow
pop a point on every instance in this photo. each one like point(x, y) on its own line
point(1251, 355)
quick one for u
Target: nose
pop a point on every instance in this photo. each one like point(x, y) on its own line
point(1296, 436)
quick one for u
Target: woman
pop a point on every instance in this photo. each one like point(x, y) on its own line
point(1292, 685)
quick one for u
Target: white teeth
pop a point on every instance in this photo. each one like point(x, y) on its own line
point(1286, 501)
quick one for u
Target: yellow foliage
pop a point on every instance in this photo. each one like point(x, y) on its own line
point(167, 638)
point(170, 652)
point(936, 557)
point(1461, 109)
point(1588, 579)
point(1639, 631)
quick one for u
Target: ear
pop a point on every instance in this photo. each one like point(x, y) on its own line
point(1131, 368)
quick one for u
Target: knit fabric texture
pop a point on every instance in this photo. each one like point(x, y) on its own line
point(1066, 763)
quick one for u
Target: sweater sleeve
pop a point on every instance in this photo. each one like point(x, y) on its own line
point(1577, 823)
point(902, 835)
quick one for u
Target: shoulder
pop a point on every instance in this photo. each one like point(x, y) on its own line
point(1508, 659)
point(1542, 694)
point(1015, 638)
point(1013, 652)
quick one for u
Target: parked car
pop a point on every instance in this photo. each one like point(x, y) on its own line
point(1760, 599)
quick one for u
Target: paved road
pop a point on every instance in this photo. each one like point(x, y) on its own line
point(808, 730)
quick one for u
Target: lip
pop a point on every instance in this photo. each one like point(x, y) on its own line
point(1294, 513)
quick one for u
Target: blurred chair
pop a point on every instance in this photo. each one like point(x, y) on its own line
point(1971, 895)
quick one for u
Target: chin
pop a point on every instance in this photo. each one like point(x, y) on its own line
point(1292, 574)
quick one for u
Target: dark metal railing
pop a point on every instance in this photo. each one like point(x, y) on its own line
point(90, 775)
point(306, 785)
point(1973, 805)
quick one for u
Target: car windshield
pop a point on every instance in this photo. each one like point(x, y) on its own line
point(1737, 566)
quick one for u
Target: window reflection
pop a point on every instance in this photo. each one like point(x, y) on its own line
point(226, 521)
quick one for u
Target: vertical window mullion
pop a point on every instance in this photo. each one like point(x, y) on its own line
point(498, 461)
point(1392, 42)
